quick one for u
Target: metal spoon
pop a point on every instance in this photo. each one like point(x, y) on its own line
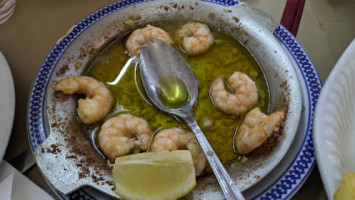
point(171, 85)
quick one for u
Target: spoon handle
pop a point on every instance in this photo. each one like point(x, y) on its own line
point(228, 186)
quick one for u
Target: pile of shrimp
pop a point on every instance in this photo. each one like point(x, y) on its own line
point(126, 133)
point(194, 38)
point(256, 127)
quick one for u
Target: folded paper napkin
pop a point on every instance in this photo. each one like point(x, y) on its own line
point(16, 186)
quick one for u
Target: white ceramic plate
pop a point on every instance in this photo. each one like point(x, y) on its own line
point(334, 123)
point(7, 104)
point(281, 183)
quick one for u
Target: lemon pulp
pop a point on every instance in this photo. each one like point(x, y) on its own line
point(154, 175)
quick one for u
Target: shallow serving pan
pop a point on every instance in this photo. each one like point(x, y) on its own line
point(67, 158)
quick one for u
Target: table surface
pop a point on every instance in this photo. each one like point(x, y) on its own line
point(326, 29)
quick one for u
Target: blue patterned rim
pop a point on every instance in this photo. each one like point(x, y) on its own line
point(285, 186)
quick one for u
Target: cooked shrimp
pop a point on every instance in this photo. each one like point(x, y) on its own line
point(255, 129)
point(196, 38)
point(140, 36)
point(175, 139)
point(124, 134)
point(99, 99)
point(243, 98)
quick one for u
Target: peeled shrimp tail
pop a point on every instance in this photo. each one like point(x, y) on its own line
point(138, 37)
point(175, 139)
point(243, 97)
point(124, 134)
point(196, 38)
point(98, 101)
point(255, 129)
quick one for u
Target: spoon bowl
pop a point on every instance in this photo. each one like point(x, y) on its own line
point(163, 68)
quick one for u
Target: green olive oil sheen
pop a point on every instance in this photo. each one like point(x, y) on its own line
point(224, 57)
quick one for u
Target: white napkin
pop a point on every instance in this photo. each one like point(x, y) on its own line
point(16, 186)
point(5, 190)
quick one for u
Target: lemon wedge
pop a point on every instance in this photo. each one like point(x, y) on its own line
point(154, 175)
point(346, 190)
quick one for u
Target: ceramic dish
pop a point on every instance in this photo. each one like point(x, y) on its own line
point(334, 136)
point(7, 105)
point(251, 29)
point(41, 119)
